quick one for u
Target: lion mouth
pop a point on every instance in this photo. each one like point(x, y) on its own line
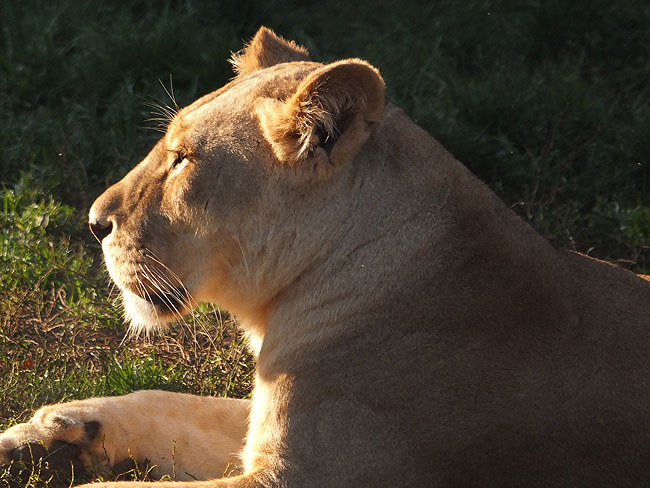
point(153, 297)
point(170, 301)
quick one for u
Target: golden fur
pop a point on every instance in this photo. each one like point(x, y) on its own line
point(145, 425)
point(410, 330)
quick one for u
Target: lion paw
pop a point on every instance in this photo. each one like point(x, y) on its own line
point(50, 445)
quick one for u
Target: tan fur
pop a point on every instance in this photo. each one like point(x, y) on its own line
point(410, 330)
point(172, 430)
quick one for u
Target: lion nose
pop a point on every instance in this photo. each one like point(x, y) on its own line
point(100, 229)
point(103, 216)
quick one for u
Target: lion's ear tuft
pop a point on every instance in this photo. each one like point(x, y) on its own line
point(332, 111)
point(267, 49)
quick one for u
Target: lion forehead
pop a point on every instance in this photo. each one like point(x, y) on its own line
point(238, 99)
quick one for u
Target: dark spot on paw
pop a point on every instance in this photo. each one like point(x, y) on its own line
point(91, 429)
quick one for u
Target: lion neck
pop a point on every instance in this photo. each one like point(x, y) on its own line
point(402, 202)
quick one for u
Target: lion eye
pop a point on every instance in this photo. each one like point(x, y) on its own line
point(178, 160)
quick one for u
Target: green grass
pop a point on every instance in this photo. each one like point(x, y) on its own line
point(548, 102)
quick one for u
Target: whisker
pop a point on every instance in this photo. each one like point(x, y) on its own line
point(171, 95)
point(162, 114)
point(156, 273)
point(154, 258)
point(158, 108)
point(243, 255)
point(169, 287)
point(164, 292)
point(123, 341)
point(161, 130)
point(143, 290)
point(189, 299)
point(160, 282)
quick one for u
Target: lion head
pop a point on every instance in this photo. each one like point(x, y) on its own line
point(242, 193)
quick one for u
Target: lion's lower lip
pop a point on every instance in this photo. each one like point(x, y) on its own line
point(172, 301)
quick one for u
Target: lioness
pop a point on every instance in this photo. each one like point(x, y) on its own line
point(410, 330)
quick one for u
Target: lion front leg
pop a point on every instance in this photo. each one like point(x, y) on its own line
point(183, 436)
point(242, 481)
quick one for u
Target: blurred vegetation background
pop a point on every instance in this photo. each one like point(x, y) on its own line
point(547, 101)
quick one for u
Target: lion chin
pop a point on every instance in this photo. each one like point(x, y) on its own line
point(145, 317)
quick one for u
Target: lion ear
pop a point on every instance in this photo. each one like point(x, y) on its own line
point(331, 113)
point(267, 49)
